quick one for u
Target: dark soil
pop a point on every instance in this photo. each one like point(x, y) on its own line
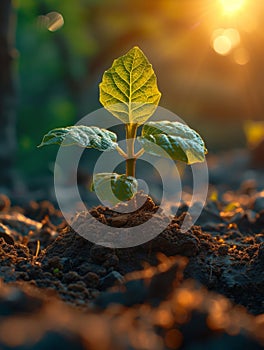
point(203, 289)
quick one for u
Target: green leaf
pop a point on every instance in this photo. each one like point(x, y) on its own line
point(83, 136)
point(113, 187)
point(129, 88)
point(177, 140)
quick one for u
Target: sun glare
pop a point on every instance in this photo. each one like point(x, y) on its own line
point(231, 6)
point(224, 40)
point(222, 45)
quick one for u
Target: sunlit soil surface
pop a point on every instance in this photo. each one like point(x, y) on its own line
point(202, 287)
point(164, 313)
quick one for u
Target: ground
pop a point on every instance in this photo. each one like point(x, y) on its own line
point(202, 289)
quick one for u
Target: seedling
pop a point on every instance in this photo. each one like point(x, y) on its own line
point(129, 91)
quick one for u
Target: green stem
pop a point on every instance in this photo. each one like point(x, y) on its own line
point(131, 132)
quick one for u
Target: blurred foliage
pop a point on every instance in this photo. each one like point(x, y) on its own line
point(50, 66)
point(59, 71)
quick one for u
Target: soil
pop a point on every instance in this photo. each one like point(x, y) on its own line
point(203, 289)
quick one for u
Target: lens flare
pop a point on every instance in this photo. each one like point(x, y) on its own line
point(223, 40)
point(56, 21)
point(231, 6)
point(53, 21)
point(241, 56)
point(222, 45)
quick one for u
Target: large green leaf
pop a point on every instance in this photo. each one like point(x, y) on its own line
point(177, 140)
point(83, 136)
point(114, 187)
point(129, 88)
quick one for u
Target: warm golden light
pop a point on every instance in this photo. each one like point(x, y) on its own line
point(224, 40)
point(241, 56)
point(231, 6)
point(248, 22)
point(233, 35)
point(222, 45)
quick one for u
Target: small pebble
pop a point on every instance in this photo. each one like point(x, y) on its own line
point(118, 221)
point(91, 279)
point(100, 254)
point(71, 277)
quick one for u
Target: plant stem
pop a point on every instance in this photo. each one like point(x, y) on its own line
point(131, 132)
point(140, 153)
point(131, 167)
point(121, 152)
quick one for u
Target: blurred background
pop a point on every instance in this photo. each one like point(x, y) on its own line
point(207, 55)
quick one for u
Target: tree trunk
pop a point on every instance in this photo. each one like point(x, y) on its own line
point(7, 94)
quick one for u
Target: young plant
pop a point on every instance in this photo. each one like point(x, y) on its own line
point(129, 91)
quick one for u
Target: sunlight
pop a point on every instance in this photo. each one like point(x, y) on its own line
point(224, 40)
point(231, 6)
point(222, 45)
point(233, 36)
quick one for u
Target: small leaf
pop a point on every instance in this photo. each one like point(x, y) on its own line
point(129, 88)
point(178, 141)
point(83, 136)
point(113, 187)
